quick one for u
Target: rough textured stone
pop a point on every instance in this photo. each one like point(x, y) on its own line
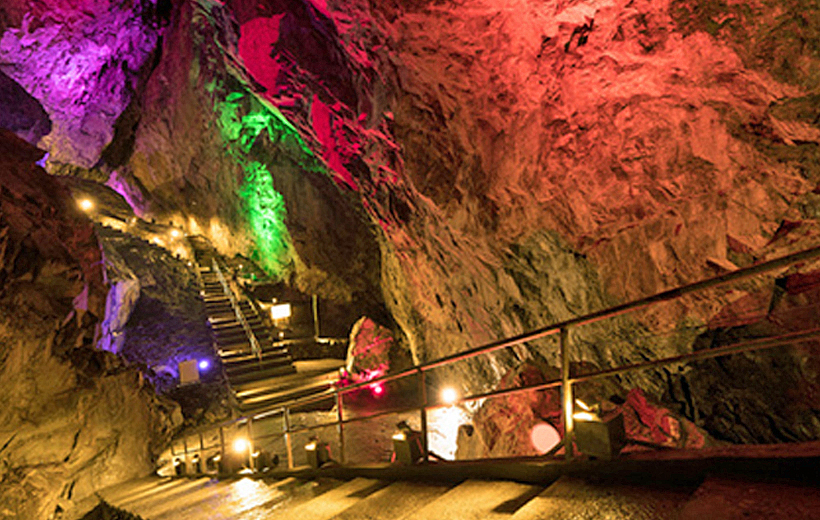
point(372, 351)
point(73, 418)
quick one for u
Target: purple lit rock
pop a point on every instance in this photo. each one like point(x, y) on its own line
point(21, 113)
point(80, 62)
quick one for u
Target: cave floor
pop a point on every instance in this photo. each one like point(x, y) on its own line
point(765, 482)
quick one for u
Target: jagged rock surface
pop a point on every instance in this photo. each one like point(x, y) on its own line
point(72, 419)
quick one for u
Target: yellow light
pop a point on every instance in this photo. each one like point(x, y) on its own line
point(280, 312)
point(85, 204)
point(399, 436)
point(240, 445)
point(311, 446)
point(449, 395)
point(175, 233)
point(583, 405)
point(584, 416)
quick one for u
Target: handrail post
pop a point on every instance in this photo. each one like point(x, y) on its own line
point(251, 444)
point(566, 394)
point(314, 304)
point(288, 440)
point(340, 427)
point(423, 411)
point(222, 453)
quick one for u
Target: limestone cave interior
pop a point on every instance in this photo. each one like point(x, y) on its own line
point(429, 175)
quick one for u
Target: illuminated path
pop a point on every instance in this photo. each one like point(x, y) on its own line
point(260, 370)
point(700, 488)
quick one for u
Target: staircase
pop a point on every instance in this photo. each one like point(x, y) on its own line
point(260, 370)
point(567, 498)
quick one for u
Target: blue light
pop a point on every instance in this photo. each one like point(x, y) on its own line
point(204, 364)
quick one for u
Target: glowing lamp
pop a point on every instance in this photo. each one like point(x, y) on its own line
point(240, 445)
point(175, 233)
point(544, 437)
point(377, 389)
point(599, 437)
point(85, 204)
point(449, 395)
point(280, 311)
point(204, 364)
point(317, 453)
point(407, 443)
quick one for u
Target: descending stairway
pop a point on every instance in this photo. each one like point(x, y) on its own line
point(260, 370)
point(567, 498)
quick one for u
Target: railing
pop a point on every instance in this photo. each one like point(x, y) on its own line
point(566, 381)
point(257, 351)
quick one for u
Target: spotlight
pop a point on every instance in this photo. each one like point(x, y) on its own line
point(85, 204)
point(317, 453)
point(204, 364)
point(449, 395)
point(406, 444)
point(240, 445)
point(599, 437)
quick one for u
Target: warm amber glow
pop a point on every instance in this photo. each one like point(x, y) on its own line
point(449, 395)
point(280, 312)
point(399, 436)
point(240, 445)
point(175, 233)
point(85, 204)
point(584, 416)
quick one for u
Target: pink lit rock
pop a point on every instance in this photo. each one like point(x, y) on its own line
point(372, 351)
point(80, 62)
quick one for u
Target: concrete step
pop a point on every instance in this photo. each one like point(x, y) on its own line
point(569, 498)
point(332, 503)
point(395, 501)
point(726, 497)
point(259, 375)
point(235, 371)
point(477, 500)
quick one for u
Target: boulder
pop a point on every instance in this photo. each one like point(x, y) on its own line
point(373, 351)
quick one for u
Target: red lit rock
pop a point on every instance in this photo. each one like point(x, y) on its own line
point(373, 351)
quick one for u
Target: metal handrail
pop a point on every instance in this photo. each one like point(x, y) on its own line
point(257, 351)
point(566, 381)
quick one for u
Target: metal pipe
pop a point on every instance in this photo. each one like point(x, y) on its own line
point(340, 428)
point(423, 410)
point(288, 440)
point(566, 394)
point(746, 346)
point(315, 306)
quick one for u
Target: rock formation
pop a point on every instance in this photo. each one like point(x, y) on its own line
point(467, 170)
point(72, 418)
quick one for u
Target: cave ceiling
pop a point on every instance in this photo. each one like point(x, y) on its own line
point(461, 169)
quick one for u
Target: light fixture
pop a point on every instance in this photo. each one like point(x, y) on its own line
point(85, 204)
point(280, 311)
point(599, 437)
point(544, 437)
point(240, 445)
point(407, 444)
point(204, 364)
point(175, 233)
point(317, 453)
point(377, 389)
point(449, 395)
point(179, 467)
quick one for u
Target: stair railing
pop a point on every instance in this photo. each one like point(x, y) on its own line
point(257, 351)
point(565, 382)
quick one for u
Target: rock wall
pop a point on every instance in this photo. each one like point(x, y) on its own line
point(72, 419)
point(464, 169)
